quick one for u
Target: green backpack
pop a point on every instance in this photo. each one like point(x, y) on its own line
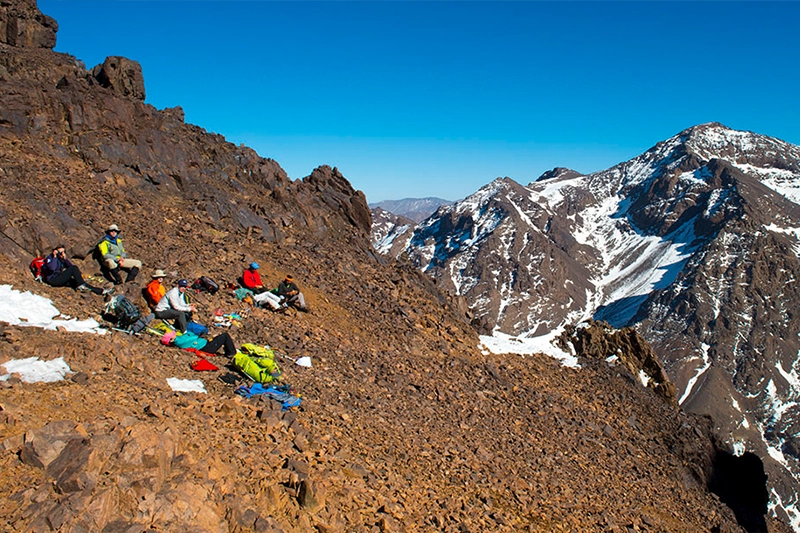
point(257, 363)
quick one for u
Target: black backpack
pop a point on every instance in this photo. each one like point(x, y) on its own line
point(205, 284)
point(123, 310)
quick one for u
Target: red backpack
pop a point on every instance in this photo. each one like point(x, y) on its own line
point(36, 268)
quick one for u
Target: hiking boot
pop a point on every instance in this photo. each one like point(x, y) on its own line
point(83, 288)
point(132, 273)
point(108, 290)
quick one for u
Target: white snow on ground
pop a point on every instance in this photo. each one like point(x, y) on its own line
point(28, 309)
point(502, 343)
point(791, 510)
point(782, 181)
point(700, 371)
point(186, 385)
point(32, 370)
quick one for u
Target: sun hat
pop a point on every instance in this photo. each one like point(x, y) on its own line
point(289, 277)
point(159, 274)
point(254, 265)
point(113, 227)
point(183, 283)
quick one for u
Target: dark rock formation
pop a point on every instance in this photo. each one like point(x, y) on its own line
point(598, 340)
point(23, 25)
point(122, 76)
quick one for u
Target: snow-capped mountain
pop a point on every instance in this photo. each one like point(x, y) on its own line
point(696, 243)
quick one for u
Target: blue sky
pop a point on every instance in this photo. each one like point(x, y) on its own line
point(416, 99)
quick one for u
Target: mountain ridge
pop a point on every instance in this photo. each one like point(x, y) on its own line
point(637, 245)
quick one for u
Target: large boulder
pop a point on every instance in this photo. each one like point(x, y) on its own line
point(121, 75)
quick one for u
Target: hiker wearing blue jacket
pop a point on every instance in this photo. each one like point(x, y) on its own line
point(58, 271)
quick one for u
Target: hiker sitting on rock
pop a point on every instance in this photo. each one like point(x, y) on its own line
point(174, 305)
point(155, 290)
point(115, 258)
point(58, 271)
point(251, 280)
point(289, 290)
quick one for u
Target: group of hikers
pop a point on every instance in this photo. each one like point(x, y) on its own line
point(58, 271)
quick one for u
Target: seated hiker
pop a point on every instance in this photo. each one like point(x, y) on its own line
point(58, 271)
point(251, 279)
point(289, 290)
point(175, 305)
point(114, 257)
point(155, 290)
point(190, 340)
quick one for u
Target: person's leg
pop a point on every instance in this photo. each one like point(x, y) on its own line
point(113, 270)
point(169, 314)
point(300, 301)
point(223, 340)
point(181, 320)
point(132, 273)
point(60, 279)
point(132, 266)
point(267, 298)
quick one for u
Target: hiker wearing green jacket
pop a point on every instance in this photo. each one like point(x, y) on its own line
point(115, 257)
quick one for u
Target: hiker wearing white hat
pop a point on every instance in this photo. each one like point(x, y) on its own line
point(155, 290)
point(115, 258)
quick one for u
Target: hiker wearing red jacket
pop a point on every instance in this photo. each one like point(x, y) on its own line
point(251, 279)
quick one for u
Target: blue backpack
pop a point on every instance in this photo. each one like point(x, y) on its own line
point(198, 329)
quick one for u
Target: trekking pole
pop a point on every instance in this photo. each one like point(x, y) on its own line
point(304, 361)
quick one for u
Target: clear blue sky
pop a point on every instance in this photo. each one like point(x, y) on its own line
point(416, 99)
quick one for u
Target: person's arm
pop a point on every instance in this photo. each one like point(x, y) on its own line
point(50, 265)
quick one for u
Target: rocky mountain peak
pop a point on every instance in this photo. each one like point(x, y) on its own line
point(558, 172)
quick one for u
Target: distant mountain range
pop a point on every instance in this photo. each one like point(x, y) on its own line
point(695, 243)
point(416, 209)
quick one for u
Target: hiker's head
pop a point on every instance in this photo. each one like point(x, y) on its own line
point(254, 266)
point(182, 283)
point(113, 228)
point(288, 278)
point(159, 275)
point(59, 250)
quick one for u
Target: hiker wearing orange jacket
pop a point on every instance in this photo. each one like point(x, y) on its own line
point(155, 290)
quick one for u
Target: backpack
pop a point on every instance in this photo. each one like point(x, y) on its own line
point(198, 329)
point(257, 363)
point(123, 310)
point(205, 284)
point(36, 268)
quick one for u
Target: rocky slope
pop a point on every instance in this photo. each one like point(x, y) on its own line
point(694, 243)
point(405, 425)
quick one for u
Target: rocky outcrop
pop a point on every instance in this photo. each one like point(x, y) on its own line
point(598, 340)
point(24, 26)
point(121, 75)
